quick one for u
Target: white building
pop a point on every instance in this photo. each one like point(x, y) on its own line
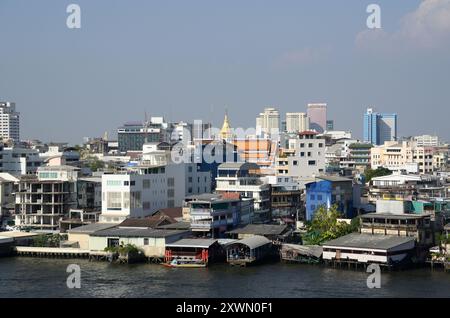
point(268, 122)
point(296, 122)
point(18, 161)
point(304, 159)
point(244, 178)
point(367, 248)
point(42, 200)
point(9, 121)
point(153, 184)
point(427, 141)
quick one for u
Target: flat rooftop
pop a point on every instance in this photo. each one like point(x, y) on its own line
point(260, 229)
point(137, 232)
point(392, 216)
point(196, 243)
point(91, 228)
point(368, 241)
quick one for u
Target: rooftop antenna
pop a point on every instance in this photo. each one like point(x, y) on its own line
point(145, 127)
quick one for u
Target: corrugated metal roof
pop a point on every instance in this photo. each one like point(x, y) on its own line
point(137, 232)
point(368, 241)
point(91, 228)
point(201, 243)
point(254, 241)
point(260, 229)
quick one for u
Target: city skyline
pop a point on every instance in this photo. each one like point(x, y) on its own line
point(188, 72)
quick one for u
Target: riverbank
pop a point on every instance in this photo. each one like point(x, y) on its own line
point(42, 277)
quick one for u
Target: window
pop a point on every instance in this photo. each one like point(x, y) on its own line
point(311, 162)
point(309, 154)
point(170, 182)
point(113, 242)
point(145, 241)
point(302, 154)
point(319, 197)
point(114, 200)
point(190, 179)
point(146, 184)
point(132, 183)
point(310, 145)
point(302, 145)
point(313, 207)
point(125, 183)
point(135, 199)
point(190, 169)
point(170, 193)
point(295, 163)
point(320, 145)
point(312, 197)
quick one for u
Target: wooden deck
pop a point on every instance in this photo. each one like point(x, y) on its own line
point(51, 252)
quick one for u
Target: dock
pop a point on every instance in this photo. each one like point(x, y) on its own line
point(51, 252)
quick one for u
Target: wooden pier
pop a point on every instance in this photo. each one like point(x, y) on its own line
point(51, 252)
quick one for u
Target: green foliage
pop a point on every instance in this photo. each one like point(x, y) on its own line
point(121, 249)
point(325, 226)
point(379, 172)
point(95, 164)
point(47, 240)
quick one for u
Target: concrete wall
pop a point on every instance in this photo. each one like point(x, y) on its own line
point(81, 238)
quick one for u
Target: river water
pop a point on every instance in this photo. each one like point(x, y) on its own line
point(40, 277)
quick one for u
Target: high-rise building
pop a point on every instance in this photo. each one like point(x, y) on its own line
point(296, 122)
point(268, 121)
point(317, 114)
point(379, 127)
point(9, 121)
point(132, 136)
point(330, 125)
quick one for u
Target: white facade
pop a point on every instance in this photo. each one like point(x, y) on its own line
point(427, 141)
point(9, 121)
point(238, 178)
point(296, 122)
point(305, 160)
point(268, 121)
point(18, 161)
point(143, 190)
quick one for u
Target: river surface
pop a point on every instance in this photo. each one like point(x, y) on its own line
point(41, 277)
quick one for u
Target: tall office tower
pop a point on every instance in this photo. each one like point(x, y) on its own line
point(330, 125)
point(379, 127)
point(317, 114)
point(296, 122)
point(268, 121)
point(9, 121)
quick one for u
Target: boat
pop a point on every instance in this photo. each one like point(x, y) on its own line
point(185, 264)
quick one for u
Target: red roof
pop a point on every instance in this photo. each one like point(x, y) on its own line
point(308, 132)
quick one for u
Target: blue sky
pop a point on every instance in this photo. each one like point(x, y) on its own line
point(189, 60)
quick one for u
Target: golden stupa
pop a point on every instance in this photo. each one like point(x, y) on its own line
point(226, 131)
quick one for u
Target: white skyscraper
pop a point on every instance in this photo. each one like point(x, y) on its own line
point(9, 121)
point(296, 122)
point(268, 121)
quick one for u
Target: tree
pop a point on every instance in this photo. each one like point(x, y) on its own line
point(95, 164)
point(379, 172)
point(325, 226)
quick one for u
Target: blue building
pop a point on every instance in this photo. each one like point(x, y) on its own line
point(379, 128)
point(329, 190)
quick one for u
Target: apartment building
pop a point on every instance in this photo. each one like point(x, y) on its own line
point(152, 184)
point(268, 121)
point(296, 122)
point(42, 200)
point(395, 156)
point(18, 161)
point(244, 178)
point(9, 122)
point(304, 158)
point(213, 214)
